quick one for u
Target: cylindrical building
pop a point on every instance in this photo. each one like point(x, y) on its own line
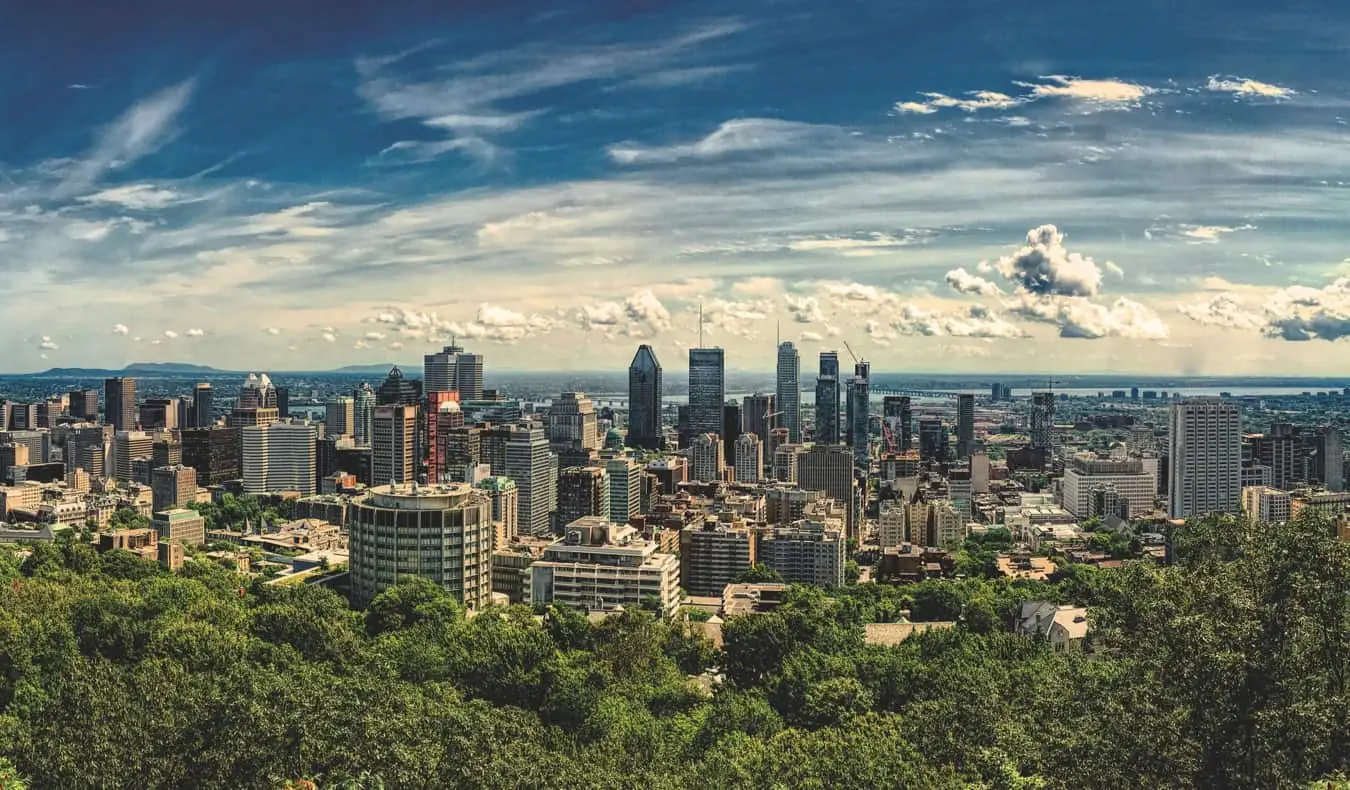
point(439, 532)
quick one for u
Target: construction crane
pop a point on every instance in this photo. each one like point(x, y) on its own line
point(851, 354)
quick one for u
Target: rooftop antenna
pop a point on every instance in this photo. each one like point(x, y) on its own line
point(778, 332)
point(700, 325)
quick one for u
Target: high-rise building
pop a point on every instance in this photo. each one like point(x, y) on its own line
point(203, 406)
point(257, 392)
point(757, 416)
point(600, 567)
point(363, 414)
point(644, 400)
point(443, 416)
point(284, 402)
point(898, 417)
point(805, 553)
point(119, 403)
point(339, 416)
point(713, 555)
point(732, 425)
point(1042, 420)
point(1325, 458)
point(749, 458)
point(582, 491)
point(1130, 481)
point(707, 391)
point(173, 487)
point(214, 453)
point(859, 413)
point(83, 404)
point(505, 507)
point(129, 446)
point(442, 533)
point(279, 456)
point(965, 425)
point(453, 370)
point(572, 423)
point(827, 399)
point(790, 390)
point(520, 452)
point(460, 450)
point(179, 525)
point(829, 468)
point(158, 414)
point(398, 390)
point(1204, 458)
point(706, 457)
point(1265, 505)
point(393, 443)
point(625, 489)
point(932, 439)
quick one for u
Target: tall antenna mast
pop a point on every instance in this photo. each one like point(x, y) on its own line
point(778, 333)
point(700, 325)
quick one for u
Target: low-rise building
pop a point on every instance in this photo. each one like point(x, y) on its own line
point(142, 542)
point(180, 525)
point(1265, 504)
point(599, 566)
point(713, 555)
point(805, 553)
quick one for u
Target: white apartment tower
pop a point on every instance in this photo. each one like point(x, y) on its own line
point(706, 461)
point(279, 456)
point(1205, 458)
point(749, 458)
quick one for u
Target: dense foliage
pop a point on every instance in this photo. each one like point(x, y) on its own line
point(1225, 670)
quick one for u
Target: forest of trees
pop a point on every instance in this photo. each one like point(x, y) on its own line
point(1227, 669)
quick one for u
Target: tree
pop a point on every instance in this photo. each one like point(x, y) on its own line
point(936, 601)
point(760, 574)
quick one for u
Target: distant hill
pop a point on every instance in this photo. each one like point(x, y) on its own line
point(147, 369)
point(412, 371)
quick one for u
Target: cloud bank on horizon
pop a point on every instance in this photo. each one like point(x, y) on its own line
point(555, 185)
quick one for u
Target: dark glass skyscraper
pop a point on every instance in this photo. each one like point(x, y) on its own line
point(707, 390)
point(827, 399)
point(790, 390)
point(119, 403)
point(859, 412)
point(203, 406)
point(644, 400)
point(399, 391)
point(965, 425)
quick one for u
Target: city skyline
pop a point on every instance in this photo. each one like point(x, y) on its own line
point(551, 185)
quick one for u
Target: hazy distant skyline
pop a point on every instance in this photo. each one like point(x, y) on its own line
point(950, 187)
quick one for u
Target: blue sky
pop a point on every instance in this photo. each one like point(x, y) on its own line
point(970, 186)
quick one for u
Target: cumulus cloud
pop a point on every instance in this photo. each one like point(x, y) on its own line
point(170, 334)
point(396, 346)
point(964, 282)
point(1223, 309)
point(47, 344)
point(640, 315)
point(195, 332)
point(1045, 268)
point(1108, 92)
point(1083, 319)
point(329, 337)
point(972, 321)
point(1210, 234)
point(271, 330)
point(736, 317)
point(376, 336)
point(1300, 312)
point(1240, 86)
point(810, 337)
point(120, 329)
point(857, 296)
point(978, 100)
point(805, 309)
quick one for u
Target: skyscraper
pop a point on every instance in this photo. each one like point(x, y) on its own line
point(732, 425)
point(119, 403)
point(749, 458)
point(827, 399)
point(625, 489)
point(443, 416)
point(706, 460)
point(393, 442)
point(203, 405)
point(83, 404)
point(279, 456)
point(284, 402)
point(1042, 420)
point(339, 416)
point(173, 487)
point(859, 412)
point(1204, 458)
point(582, 491)
point(965, 425)
point(527, 463)
point(398, 390)
point(644, 400)
point(757, 412)
point(572, 423)
point(828, 469)
point(899, 419)
point(453, 370)
point(707, 391)
point(790, 390)
point(363, 414)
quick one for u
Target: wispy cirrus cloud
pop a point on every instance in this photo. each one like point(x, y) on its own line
point(139, 131)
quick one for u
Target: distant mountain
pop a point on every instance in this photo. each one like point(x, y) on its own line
point(162, 368)
point(412, 371)
point(147, 369)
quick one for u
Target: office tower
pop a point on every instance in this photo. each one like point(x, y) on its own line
point(1042, 420)
point(713, 555)
point(459, 450)
point(505, 496)
point(397, 390)
point(214, 453)
point(451, 527)
point(859, 412)
point(119, 403)
point(1278, 449)
point(393, 439)
point(284, 402)
point(790, 390)
point(757, 416)
point(339, 416)
point(602, 567)
point(932, 439)
point(582, 491)
point(785, 459)
point(827, 399)
point(173, 487)
point(625, 489)
point(644, 400)
point(23, 417)
point(1205, 458)
point(159, 414)
point(1131, 482)
point(829, 468)
point(83, 404)
point(279, 456)
point(1325, 462)
point(257, 392)
point(130, 446)
point(12, 455)
point(731, 430)
point(443, 416)
point(707, 391)
point(706, 458)
point(965, 425)
point(805, 553)
point(203, 406)
point(1265, 505)
point(749, 458)
point(166, 452)
point(572, 423)
point(363, 414)
point(179, 525)
point(453, 370)
point(898, 417)
point(526, 461)
point(186, 417)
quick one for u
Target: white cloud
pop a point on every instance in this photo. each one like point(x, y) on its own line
point(1111, 92)
point(170, 334)
point(737, 136)
point(735, 317)
point(140, 131)
point(964, 282)
point(329, 337)
point(971, 321)
point(272, 330)
point(396, 346)
point(1300, 312)
point(138, 197)
point(120, 329)
point(47, 344)
point(195, 332)
point(1239, 86)
point(854, 246)
point(641, 315)
point(374, 336)
point(1210, 234)
point(805, 309)
point(1223, 309)
point(1044, 266)
point(978, 100)
point(1080, 318)
point(810, 337)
